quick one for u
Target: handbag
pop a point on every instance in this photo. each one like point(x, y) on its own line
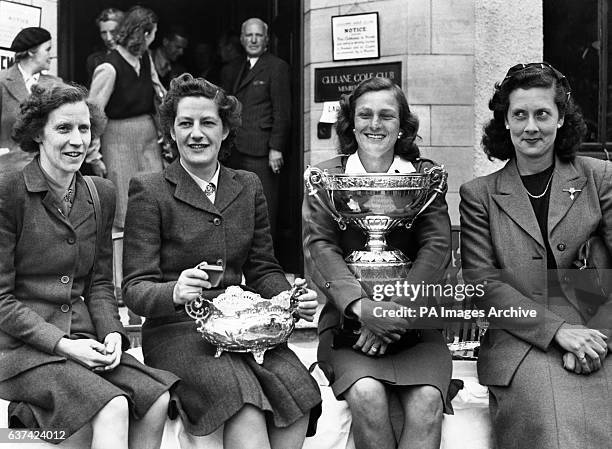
point(594, 268)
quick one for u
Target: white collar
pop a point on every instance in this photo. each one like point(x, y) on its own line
point(253, 61)
point(28, 78)
point(399, 165)
point(202, 183)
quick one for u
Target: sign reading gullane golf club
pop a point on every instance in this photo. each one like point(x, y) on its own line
point(332, 82)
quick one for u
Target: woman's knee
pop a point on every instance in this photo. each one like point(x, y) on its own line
point(368, 395)
point(424, 401)
point(116, 410)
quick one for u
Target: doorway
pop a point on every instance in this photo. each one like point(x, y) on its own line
point(205, 21)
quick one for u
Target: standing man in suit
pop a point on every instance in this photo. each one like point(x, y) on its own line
point(263, 88)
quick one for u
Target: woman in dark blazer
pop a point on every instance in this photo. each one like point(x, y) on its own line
point(549, 376)
point(61, 341)
point(376, 131)
point(200, 211)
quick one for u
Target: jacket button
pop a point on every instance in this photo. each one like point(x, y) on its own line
point(327, 284)
point(71, 240)
point(561, 247)
point(64, 279)
point(566, 279)
point(65, 308)
point(220, 262)
point(217, 221)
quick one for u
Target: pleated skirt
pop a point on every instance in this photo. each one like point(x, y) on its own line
point(66, 395)
point(129, 146)
point(212, 390)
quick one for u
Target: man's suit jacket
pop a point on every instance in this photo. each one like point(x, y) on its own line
point(43, 265)
point(265, 94)
point(171, 226)
point(499, 232)
point(12, 92)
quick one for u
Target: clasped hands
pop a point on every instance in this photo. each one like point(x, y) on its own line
point(586, 348)
point(378, 329)
point(192, 281)
point(92, 354)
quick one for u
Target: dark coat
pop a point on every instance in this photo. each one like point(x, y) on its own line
point(171, 226)
point(499, 231)
point(42, 274)
point(12, 92)
point(265, 94)
point(428, 245)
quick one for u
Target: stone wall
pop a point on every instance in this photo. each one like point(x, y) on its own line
point(451, 52)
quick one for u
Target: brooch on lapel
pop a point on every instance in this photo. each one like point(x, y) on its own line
point(571, 192)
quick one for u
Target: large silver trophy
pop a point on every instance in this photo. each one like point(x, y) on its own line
point(376, 203)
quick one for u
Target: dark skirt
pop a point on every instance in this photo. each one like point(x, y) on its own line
point(66, 396)
point(212, 390)
point(428, 362)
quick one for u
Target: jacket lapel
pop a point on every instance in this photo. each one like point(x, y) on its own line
point(187, 190)
point(228, 189)
point(565, 181)
point(513, 200)
point(15, 84)
point(35, 182)
point(82, 207)
point(248, 77)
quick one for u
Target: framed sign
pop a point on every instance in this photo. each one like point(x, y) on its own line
point(13, 18)
point(332, 82)
point(7, 59)
point(355, 36)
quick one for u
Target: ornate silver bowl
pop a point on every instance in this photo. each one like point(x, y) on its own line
point(242, 321)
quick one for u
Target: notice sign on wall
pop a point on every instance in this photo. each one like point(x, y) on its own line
point(7, 59)
point(332, 82)
point(14, 17)
point(355, 36)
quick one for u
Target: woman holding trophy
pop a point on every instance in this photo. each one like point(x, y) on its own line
point(369, 357)
point(199, 211)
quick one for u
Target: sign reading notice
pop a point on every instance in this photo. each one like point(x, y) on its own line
point(14, 17)
point(332, 82)
point(355, 36)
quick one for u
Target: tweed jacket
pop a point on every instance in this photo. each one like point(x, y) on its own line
point(265, 94)
point(171, 225)
point(43, 269)
point(428, 245)
point(12, 92)
point(501, 244)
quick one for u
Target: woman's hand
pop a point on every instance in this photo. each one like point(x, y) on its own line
point(370, 344)
point(89, 353)
point(587, 345)
point(307, 305)
point(112, 346)
point(189, 285)
point(381, 318)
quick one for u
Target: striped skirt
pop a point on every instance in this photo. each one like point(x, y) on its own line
point(129, 146)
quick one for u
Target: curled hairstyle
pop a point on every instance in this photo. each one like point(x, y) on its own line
point(131, 32)
point(405, 146)
point(35, 110)
point(108, 14)
point(185, 85)
point(496, 140)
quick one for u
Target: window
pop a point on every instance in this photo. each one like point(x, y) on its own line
point(576, 42)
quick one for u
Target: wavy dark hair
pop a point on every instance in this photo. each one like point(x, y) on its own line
point(131, 33)
point(35, 110)
point(186, 85)
point(409, 123)
point(496, 140)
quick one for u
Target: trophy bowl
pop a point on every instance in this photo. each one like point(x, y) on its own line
point(376, 203)
point(243, 321)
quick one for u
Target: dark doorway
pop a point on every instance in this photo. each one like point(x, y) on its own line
point(205, 21)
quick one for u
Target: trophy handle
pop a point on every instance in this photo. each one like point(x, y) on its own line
point(313, 177)
point(437, 175)
point(199, 308)
point(299, 287)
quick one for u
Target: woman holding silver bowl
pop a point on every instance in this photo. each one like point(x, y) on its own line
point(199, 211)
point(376, 131)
